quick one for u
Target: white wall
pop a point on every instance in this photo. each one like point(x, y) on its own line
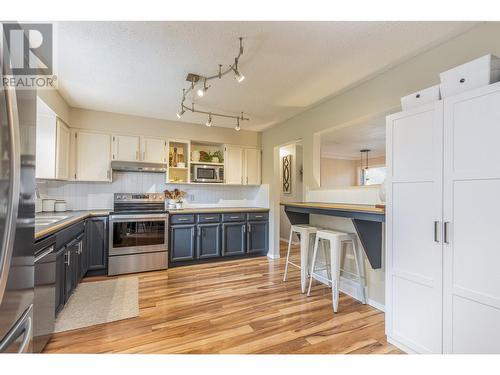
point(127, 124)
point(296, 194)
point(371, 98)
point(99, 195)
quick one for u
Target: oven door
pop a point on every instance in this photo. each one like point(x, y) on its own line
point(134, 234)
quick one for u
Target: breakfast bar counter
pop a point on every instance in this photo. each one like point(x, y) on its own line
point(367, 220)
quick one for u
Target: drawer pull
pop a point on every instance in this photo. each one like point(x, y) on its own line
point(417, 96)
point(183, 219)
point(462, 80)
point(258, 216)
point(234, 217)
point(210, 218)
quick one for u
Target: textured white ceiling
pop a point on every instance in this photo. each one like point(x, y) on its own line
point(139, 68)
point(346, 142)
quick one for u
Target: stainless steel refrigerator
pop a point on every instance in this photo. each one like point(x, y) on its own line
point(17, 211)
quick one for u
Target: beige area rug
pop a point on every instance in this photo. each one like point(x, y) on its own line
point(99, 302)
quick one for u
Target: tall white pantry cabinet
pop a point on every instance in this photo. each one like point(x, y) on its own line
point(443, 225)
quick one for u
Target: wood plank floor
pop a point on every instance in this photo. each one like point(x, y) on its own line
point(239, 306)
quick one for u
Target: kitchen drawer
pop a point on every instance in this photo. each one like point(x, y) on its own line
point(476, 73)
point(239, 216)
point(182, 219)
point(208, 218)
point(428, 95)
point(258, 216)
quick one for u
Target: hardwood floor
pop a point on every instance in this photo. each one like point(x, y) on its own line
point(239, 306)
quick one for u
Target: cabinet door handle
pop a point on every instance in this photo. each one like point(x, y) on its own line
point(249, 227)
point(199, 231)
point(446, 232)
point(68, 258)
point(143, 155)
point(244, 228)
point(436, 225)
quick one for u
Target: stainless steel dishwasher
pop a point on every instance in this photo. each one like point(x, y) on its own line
point(45, 293)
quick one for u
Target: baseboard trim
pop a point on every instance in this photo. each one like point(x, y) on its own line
point(398, 345)
point(375, 304)
point(273, 256)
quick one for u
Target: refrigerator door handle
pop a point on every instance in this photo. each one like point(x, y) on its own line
point(24, 326)
point(14, 188)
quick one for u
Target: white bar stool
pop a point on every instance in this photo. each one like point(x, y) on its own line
point(337, 240)
point(306, 234)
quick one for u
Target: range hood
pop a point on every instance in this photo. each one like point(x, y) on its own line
point(137, 166)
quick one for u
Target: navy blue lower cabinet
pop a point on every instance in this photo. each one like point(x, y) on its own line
point(257, 237)
point(182, 243)
point(208, 244)
point(234, 238)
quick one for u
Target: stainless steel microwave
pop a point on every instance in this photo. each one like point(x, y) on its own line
point(207, 173)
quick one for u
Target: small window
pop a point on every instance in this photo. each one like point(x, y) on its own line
point(373, 175)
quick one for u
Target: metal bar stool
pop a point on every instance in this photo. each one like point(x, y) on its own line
point(336, 241)
point(306, 234)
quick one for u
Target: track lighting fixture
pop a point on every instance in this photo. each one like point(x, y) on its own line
point(194, 80)
point(238, 76)
point(209, 121)
point(179, 114)
point(201, 91)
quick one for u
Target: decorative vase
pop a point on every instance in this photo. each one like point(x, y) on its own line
point(178, 205)
point(195, 156)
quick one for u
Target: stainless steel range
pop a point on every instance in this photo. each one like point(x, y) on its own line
point(138, 233)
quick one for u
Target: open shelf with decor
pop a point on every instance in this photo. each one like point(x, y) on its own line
point(178, 161)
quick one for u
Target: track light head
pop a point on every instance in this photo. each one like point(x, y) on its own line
point(238, 76)
point(209, 121)
point(179, 114)
point(237, 128)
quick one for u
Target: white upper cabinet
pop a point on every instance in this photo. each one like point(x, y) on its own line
point(126, 148)
point(242, 165)
point(46, 121)
point(233, 165)
point(62, 150)
point(252, 167)
point(154, 150)
point(93, 156)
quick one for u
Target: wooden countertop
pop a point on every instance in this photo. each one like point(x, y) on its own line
point(70, 217)
point(194, 210)
point(375, 209)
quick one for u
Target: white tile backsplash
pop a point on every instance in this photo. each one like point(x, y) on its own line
point(99, 195)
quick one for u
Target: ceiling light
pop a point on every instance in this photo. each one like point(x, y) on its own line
point(237, 128)
point(209, 121)
point(238, 76)
point(200, 92)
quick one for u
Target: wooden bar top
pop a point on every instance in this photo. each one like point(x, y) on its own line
point(373, 209)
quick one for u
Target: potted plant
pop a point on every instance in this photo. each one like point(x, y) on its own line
point(217, 157)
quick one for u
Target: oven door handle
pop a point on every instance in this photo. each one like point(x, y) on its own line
point(128, 218)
